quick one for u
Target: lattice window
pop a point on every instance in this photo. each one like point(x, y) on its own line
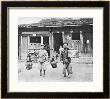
point(74, 44)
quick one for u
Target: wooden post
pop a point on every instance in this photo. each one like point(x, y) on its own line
point(28, 41)
point(81, 41)
point(50, 44)
point(19, 46)
point(52, 41)
point(63, 37)
point(41, 39)
point(21, 49)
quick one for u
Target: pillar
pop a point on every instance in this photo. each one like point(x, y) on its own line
point(81, 41)
point(52, 42)
point(21, 49)
point(63, 37)
point(19, 46)
point(41, 39)
point(28, 41)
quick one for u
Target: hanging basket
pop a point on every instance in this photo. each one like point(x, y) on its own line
point(28, 65)
point(53, 64)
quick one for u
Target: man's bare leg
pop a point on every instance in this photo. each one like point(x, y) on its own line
point(44, 73)
point(41, 72)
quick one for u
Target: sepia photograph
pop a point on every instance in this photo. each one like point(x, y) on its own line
point(55, 49)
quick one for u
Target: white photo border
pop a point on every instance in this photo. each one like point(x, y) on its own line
point(95, 86)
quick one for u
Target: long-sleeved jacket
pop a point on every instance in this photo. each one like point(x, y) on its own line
point(43, 55)
point(64, 56)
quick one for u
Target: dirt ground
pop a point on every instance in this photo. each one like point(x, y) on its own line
point(81, 73)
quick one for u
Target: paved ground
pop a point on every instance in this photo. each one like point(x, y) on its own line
point(81, 73)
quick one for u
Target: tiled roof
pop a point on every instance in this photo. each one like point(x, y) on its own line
point(59, 22)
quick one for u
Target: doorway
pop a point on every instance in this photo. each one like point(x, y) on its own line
point(46, 44)
point(58, 41)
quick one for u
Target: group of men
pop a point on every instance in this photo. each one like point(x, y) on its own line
point(64, 58)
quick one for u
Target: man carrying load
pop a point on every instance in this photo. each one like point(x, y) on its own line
point(42, 58)
point(66, 61)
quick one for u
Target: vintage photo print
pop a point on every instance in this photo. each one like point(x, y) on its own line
point(55, 49)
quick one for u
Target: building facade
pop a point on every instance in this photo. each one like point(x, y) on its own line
point(53, 33)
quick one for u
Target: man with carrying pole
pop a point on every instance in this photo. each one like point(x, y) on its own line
point(66, 61)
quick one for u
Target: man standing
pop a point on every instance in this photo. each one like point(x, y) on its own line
point(43, 57)
point(66, 61)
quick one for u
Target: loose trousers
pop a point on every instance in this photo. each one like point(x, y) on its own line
point(68, 68)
